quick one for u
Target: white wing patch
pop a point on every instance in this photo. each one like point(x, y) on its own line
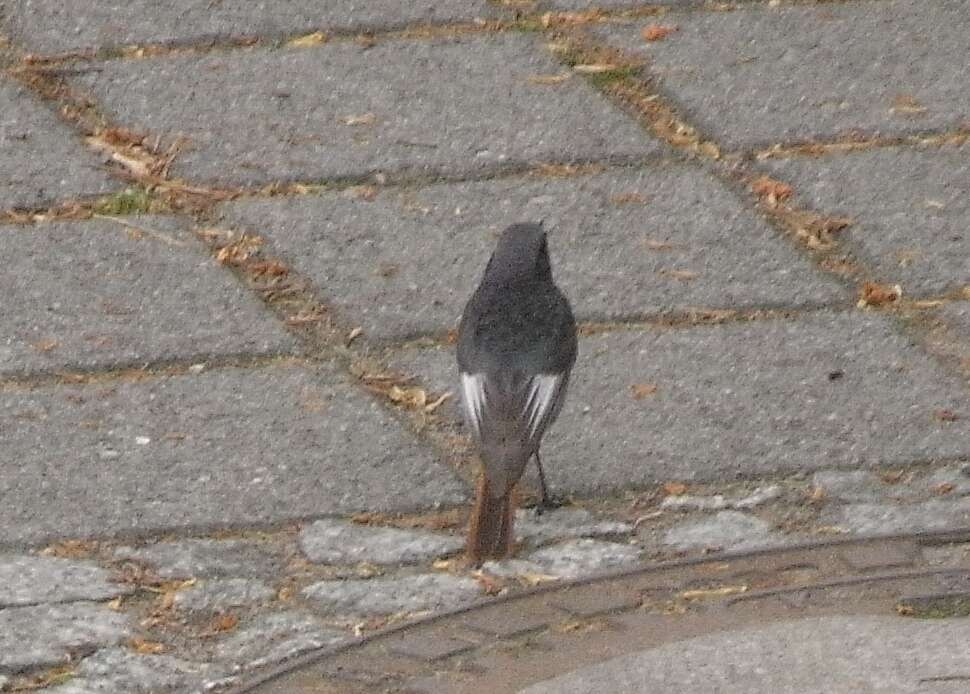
point(473, 399)
point(541, 401)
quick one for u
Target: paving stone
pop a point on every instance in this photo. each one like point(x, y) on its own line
point(957, 316)
point(206, 558)
point(90, 294)
point(392, 595)
point(334, 541)
point(592, 600)
point(429, 646)
point(561, 523)
point(575, 558)
point(502, 622)
point(41, 635)
point(901, 518)
point(910, 208)
point(719, 412)
point(41, 161)
point(758, 75)
point(624, 243)
point(50, 27)
point(272, 638)
point(121, 671)
point(724, 530)
point(279, 116)
point(718, 502)
point(818, 654)
point(852, 485)
point(223, 594)
point(30, 580)
point(879, 555)
point(515, 568)
point(226, 446)
point(950, 480)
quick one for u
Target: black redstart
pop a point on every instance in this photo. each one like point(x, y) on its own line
point(516, 347)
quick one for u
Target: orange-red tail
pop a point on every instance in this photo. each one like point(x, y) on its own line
point(490, 527)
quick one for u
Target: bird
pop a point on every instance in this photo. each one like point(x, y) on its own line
point(516, 349)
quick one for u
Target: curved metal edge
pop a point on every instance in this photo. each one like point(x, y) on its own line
point(312, 657)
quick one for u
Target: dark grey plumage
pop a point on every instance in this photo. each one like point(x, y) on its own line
point(516, 347)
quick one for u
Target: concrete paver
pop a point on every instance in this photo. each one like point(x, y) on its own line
point(226, 447)
point(741, 400)
point(624, 243)
point(910, 209)
point(32, 580)
point(395, 106)
point(52, 27)
point(827, 654)
point(42, 635)
point(41, 162)
point(761, 75)
point(339, 542)
point(101, 294)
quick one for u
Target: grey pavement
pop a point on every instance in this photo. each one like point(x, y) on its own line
point(763, 75)
point(837, 655)
point(911, 209)
point(826, 390)
point(625, 243)
point(53, 27)
point(223, 447)
point(343, 110)
point(200, 479)
point(41, 160)
point(107, 292)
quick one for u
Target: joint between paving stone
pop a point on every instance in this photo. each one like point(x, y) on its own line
point(139, 370)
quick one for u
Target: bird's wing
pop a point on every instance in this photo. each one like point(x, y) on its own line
point(523, 408)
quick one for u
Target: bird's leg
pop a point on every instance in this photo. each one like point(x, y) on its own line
point(545, 501)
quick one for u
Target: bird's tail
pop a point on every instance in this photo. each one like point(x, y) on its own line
point(490, 527)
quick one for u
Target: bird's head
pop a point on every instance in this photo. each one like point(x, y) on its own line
point(520, 256)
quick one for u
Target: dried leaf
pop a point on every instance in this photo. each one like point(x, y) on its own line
point(656, 32)
point(270, 268)
point(674, 488)
point(594, 68)
point(531, 578)
point(308, 40)
point(354, 334)
point(629, 198)
point(683, 275)
point(705, 593)
point(490, 584)
point(410, 397)
point(238, 250)
point(122, 137)
point(892, 476)
point(771, 190)
point(548, 79)
point(642, 390)
point(227, 621)
point(944, 488)
point(362, 119)
point(875, 294)
point(945, 415)
point(907, 104)
point(140, 645)
point(367, 193)
point(45, 345)
point(432, 406)
point(70, 549)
